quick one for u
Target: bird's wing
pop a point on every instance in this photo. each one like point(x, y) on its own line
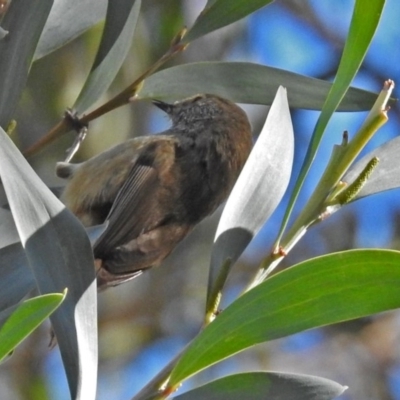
point(134, 210)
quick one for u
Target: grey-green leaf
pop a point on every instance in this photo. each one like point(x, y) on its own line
point(16, 278)
point(59, 253)
point(24, 21)
point(219, 13)
point(266, 385)
point(8, 231)
point(386, 175)
point(259, 188)
point(248, 83)
point(116, 40)
point(67, 20)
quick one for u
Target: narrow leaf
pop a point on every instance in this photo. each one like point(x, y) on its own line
point(321, 291)
point(8, 230)
point(67, 20)
point(16, 278)
point(248, 83)
point(386, 175)
point(219, 13)
point(60, 255)
point(363, 25)
point(24, 21)
point(25, 319)
point(259, 189)
point(116, 40)
point(266, 385)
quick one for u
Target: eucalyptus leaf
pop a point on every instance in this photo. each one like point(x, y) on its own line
point(314, 293)
point(24, 319)
point(24, 21)
point(67, 20)
point(60, 255)
point(116, 40)
point(386, 175)
point(266, 385)
point(258, 190)
point(219, 13)
point(251, 83)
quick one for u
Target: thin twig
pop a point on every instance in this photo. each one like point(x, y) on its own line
point(124, 97)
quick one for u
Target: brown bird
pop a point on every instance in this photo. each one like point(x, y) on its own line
point(153, 190)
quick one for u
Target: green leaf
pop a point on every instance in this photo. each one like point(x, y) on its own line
point(321, 291)
point(248, 83)
point(116, 40)
point(24, 21)
point(363, 25)
point(266, 385)
point(219, 13)
point(25, 319)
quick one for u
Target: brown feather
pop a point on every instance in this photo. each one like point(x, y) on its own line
point(153, 190)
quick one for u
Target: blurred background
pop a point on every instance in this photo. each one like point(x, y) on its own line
point(144, 323)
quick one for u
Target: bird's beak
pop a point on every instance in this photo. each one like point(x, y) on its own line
point(163, 106)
